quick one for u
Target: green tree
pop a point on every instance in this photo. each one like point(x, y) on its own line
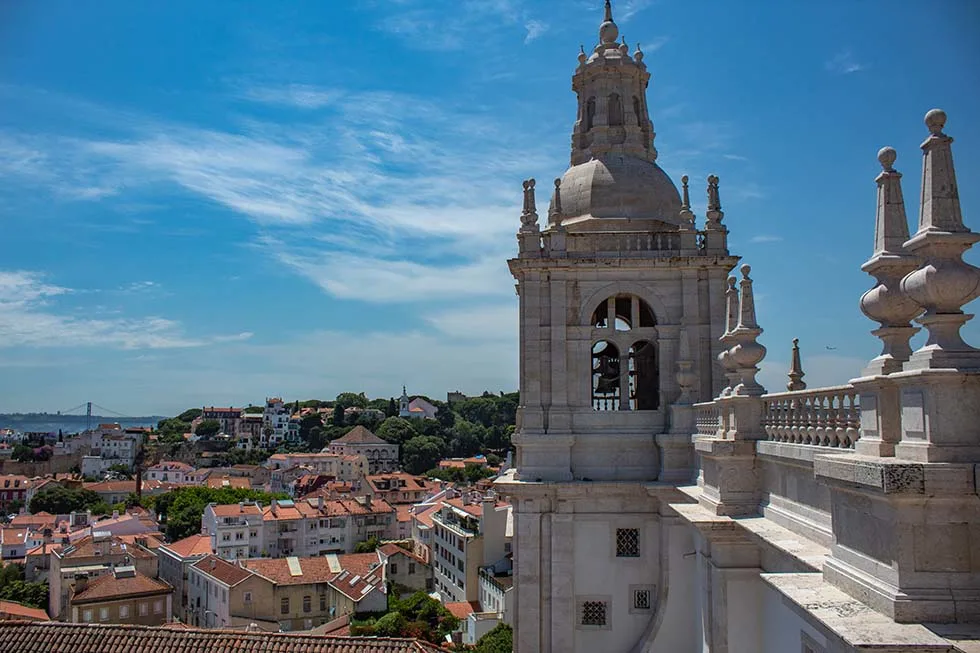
point(396, 430)
point(60, 500)
point(498, 640)
point(392, 624)
point(348, 399)
point(316, 438)
point(254, 410)
point(34, 595)
point(190, 415)
point(421, 453)
point(122, 470)
point(22, 454)
point(337, 419)
point(467, 438)
point(369, 545)
point(208, 428)
point(391, 410)
point(307, 424)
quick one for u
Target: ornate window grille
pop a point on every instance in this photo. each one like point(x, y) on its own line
point(627, 543)
point(641, 599)
point(593, 613)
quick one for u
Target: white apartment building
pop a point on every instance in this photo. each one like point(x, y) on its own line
point(343, 467)
point(236, 530)
point(169, 471)
point(275, 423)
point(469, 532)
point(317, 526)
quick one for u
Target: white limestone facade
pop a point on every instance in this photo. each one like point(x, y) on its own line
point(663, 499)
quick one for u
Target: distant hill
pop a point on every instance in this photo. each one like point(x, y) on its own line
point(52, 422)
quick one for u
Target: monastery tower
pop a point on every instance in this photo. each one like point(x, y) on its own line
point(622, 305)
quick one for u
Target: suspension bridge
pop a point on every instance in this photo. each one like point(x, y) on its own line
point(86, 410)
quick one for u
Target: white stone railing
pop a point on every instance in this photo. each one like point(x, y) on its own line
point(623, 243)
point(707, 418)
point(824, 417)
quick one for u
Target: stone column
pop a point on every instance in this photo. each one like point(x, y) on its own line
point(562, 582)
point(527, 579)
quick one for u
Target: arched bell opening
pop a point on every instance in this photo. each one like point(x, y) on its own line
point(606, 376)
point(644, 376)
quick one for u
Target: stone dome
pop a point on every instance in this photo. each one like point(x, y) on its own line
point(619, 188)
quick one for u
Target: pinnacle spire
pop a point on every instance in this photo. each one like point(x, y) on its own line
point(608, 11)
point(940, 208)
point(796, 372)
point(891, 225)
point(608, 30)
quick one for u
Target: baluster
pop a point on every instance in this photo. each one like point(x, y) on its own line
point(835, 429)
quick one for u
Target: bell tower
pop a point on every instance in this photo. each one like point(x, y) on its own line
point(622, 304)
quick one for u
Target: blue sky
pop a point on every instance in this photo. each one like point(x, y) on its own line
point(211, 202)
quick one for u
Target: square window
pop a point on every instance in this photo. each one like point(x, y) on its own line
point(593, 613)
point(86, 615)
point(123, 611)
point(641, 599)
point(157, 607)
point(103, 614)
point(144, 609)
point(627, 543)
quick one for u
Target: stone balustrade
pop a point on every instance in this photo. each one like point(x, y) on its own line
point(824, 417)
point(624, 244)
point(707, 419)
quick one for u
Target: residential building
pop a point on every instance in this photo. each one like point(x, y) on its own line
point(319, 526)
point(469, 532)
point(14, 543)
point(291, 593)
point(343, 467)
point(381, 456)
point(175, 560)
point(113, 492)
point(229, 418)
point(497, 593)
point(422, 529)
point(93, 556)
point(405, 568)
point(123, 596)
point(218, 482)
point(417, 408)
point(13, 492)
point(250, 429)
point(236, 531)
point(114, 638)
point(169, 471)
point(275, 423)
point(399, 487)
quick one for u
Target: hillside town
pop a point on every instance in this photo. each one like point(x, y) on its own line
point(343, 517)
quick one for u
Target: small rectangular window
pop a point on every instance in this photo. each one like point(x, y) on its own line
point(593, 613)
point(641, 599)
point(284, 605)
point(627, 543)
point(103, 614)
point(86, 615)
point(123, 611)
point(157, 607)
point(246, 597)
point(307, 604)
point(323, 603)
point(144, 609)
point(394, 568)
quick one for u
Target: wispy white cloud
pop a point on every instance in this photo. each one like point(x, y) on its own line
point(843, 63)
point(654, 44)
point(535, 28)
point(766, 238)
point(629, 9)
point(27, 319)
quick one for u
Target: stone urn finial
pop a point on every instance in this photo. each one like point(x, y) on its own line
point(529, 215)
point(714, 214)
point(796, 372)
point(727, 340)
point(886, 303)
point(747, 352)
point(943, 282)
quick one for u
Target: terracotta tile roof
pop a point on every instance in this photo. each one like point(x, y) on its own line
point(463, 609)
point(314, 570)
point(424, 517)
point(170, 465)
point(37, 520)
point(235, 509)
point(360, 435)
point(391, 549)
point(222, 570)
point(11, 610)
point(86, 547)
point(13, 481)
point(475, 509)
point(239, 482)
point(192, 546)
point(12, 536)
point(111, 587)
point(26, 637)
point(360, 564)
point(403, 513)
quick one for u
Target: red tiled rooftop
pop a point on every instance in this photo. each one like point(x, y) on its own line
point(188, 547)
point(463, 609)
point(360, 435)
point(228, 573)
point(12, 610)
point(32, 637)
point(111, 587)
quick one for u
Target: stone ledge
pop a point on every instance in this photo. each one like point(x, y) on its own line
point(897, 476)
point(721, 447)
point(801, 453)
point(859, 626)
